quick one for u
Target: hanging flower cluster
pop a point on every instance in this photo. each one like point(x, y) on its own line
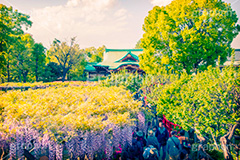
point(69, 121)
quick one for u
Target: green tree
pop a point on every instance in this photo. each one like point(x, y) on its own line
point(52, 71)
point(99, 56)
point(94, 54)
point(38, 58)
point(208, 102)
point(138, 45)
point(9, 57)
point(67, 56)
point(188, 35)
point(76, 72)
point(22, 61)
point(130, 81)
point(11, 23)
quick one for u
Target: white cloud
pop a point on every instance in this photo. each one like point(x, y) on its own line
point(90, 20)
point(72, 3)
point(120, 12)
point(161, 2)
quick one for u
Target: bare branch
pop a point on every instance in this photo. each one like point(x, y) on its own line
point(231, 132)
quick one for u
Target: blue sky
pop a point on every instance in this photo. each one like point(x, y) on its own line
point(114, 23)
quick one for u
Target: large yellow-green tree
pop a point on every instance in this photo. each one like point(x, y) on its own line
point(11, 23)
point(188, 35)
point(94, 54)
point(67, 56)
point(38, 58)
point(23, 57)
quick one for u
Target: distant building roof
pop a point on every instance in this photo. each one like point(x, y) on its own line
point(115, 58)
point(89, 67)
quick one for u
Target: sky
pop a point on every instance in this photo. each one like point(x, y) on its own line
point(117, 24)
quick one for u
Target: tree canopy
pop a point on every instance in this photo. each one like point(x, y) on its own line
point(188, 35)
point(207, 102)
point(11, 23)
point(22, 56)
point(67, 56)
point(38, 58)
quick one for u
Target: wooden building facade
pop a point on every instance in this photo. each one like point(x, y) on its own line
point(115, 60)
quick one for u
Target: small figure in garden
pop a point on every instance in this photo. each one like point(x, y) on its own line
point(149, 128)
point(143, 142)
point(150, 153)
point(140, 137)
point(191, 134)
point(155, 130)
point(152, 140)
point(162, 136)
point(125, 155)
point(173, 146)
point(155, 121)
point(136, 149)
point(185, 145)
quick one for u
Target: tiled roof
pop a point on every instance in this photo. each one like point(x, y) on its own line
point(113, 66)
point(112, 58)
point(113, 55)
point(89, 67)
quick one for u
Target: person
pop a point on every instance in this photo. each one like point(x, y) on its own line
point(150, 153)
point(191, 134)
point(155, 121)
point(173, 146)
point(162, 137)
point(185, 145)
point(152, 140)
point(143, 142)
point(136, 149)
point(149, 127)
point(154, 130)
point(125, 155)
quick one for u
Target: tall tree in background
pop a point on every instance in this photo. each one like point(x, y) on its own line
point(52, 71)
point(9, 58)
point(67, 56)
point(188, 35)
point(98, 57)
point(38, 58)
point(90, 54)
point(11, 23)
point(23, 56)
point(94, 54)
point(138, 45)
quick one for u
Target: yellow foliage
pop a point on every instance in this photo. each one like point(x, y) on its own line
point(85, 108)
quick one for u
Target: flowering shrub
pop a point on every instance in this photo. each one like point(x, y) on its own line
point(131, 81)
point(13, 85)
point(72, 121)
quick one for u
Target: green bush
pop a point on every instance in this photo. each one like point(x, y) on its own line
point(216, 154)
point(130, 81)
point(206, 101)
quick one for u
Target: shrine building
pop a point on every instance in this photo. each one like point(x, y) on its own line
point(115, 60)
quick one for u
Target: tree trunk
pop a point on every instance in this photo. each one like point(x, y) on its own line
point(215, 142)
point(64, 74)
point(8, 71)
point(20, 75)
point(25, 76)
point(225, 142)
point(36, 70)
